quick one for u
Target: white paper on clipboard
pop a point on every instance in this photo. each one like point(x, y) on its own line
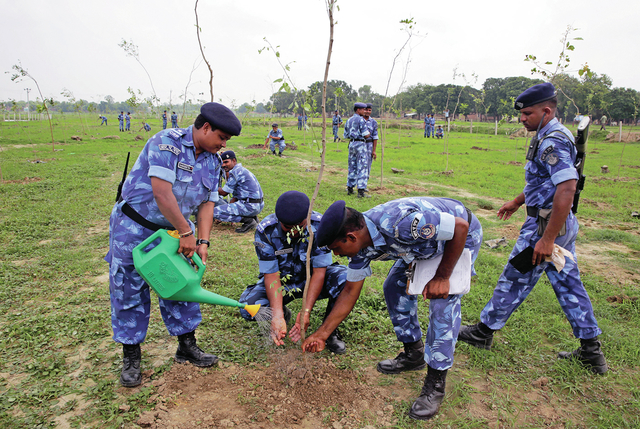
point(425, 270)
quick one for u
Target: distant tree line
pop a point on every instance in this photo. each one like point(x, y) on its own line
point(592, 95)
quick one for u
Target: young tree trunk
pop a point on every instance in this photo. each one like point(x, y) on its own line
point(329, 4)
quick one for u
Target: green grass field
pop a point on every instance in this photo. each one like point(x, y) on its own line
point(58, 357)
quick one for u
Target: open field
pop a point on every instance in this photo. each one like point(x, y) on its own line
point(60, 368)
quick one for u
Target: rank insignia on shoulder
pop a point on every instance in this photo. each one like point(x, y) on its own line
point(259, 244)
point(185, 167)
point(169, 148)
point(546, 153)
point(175, 133)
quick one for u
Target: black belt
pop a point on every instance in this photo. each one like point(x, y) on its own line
point(253, 200)
point(137, 218)
point(357, 140)
point(469, 215)
point(532, 211)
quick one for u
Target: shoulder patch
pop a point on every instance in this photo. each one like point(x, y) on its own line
point(316, 216)
point(546, 153)
point(259, 244)
point(414, 228)
point(428, 231)
point(169, 148)
point(552, 159)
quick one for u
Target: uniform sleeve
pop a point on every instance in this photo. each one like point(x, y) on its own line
point(556, 158)
point(267, 259)
point(163, 157)
point(321, 258)
point(364, 131)
point(231, 183)
point(374, 134)
point(358, 269)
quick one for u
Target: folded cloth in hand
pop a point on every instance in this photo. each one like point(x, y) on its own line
point(558, 257)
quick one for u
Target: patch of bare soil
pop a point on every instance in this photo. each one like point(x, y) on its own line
point(24, 181)
point(627, 137)
point(593, 259)
point(294, 391)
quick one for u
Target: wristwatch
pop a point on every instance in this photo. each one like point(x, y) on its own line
point(200, 241)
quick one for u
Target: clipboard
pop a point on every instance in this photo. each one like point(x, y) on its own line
point(421, 271)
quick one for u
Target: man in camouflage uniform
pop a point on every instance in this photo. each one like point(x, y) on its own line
point(174, 120)
point(551, 179)
point(121, 121)
point(275, 138)
point(336, 121)
point(356, 131)
point(281, 245)
point(175, 176)
point(247, 201)
point(372, 140)
point(405, 230)
point(164, 120)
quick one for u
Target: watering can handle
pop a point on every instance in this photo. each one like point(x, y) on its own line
point(198, 261)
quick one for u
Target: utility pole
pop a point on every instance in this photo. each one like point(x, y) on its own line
point(28, 107)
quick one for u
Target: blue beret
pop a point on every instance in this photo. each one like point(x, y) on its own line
point(274, 125)
point(535, 95)
point(221, 117)
point(292, 207)
point(369, 106)
point(332, 222)
point(228, 155)
point(359, 105)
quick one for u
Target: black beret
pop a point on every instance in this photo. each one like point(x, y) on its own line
point(359, 105)
point(332, 222)
point(292, 207)
point(221, 117)
point(274, 125)
point(228, 155)
point(535, 95)
point(369, 106)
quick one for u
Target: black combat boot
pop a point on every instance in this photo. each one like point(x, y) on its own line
point(349, 190)
point(273, 152)
point(479, 335)
point(361, 194)
point(248, 223)
point(280, 154)
point(130, 375)
point(588, 354)
point(334, 343)
point(188, 351)
point(411, 359)
point(431, 396)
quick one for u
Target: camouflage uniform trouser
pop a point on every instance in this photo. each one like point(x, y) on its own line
point(121, 125)
point(234, 212)
point(334, 281)
point(130, 295)
point(335, 133)
point(358, 170)
point(369, 158)
point(444, 314)
point(281, 145)
point(514, 287)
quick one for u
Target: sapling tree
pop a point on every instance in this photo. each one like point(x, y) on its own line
point(20, 73)
point(131, 50)
point(198, 30)
point(330, 5)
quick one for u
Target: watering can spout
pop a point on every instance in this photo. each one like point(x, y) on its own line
point(252, 309)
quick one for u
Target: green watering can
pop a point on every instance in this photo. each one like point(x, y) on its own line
point(172, 276)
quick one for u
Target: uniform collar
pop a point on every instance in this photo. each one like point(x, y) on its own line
point(376, 237)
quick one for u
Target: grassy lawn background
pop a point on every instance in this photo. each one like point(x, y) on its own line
point(58, 357)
